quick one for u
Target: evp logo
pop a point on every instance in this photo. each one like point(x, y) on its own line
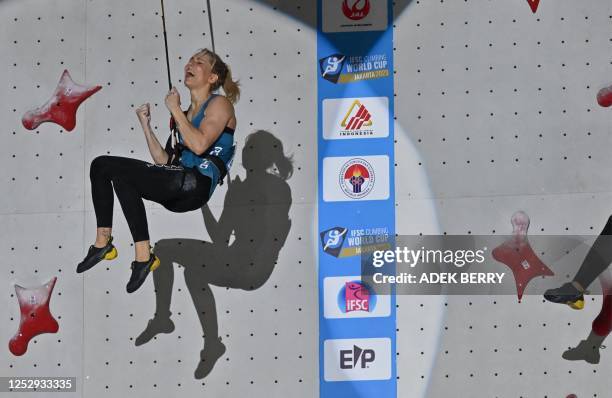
point(357, 359)
point(350, 297)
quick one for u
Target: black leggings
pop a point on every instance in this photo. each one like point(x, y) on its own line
point(598, 258)
point(176, 188)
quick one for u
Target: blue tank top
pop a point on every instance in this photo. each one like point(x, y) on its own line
point(223, 147)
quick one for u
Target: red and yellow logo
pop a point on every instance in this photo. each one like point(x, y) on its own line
point(357, 116)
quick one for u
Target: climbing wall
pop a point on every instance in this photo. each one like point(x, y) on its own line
point(262, 292)
point(43, 177)
point(495, 106)
point(495, 112)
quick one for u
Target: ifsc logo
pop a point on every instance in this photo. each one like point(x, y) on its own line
point(356, 296)
point(350, 297)
point(357, 359)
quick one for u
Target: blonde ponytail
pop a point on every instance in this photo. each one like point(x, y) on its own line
point(222, 70)
point(231, 87)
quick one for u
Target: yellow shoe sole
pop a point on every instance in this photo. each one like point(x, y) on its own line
point(111, 255)
point(576, 305)
point(155, 264)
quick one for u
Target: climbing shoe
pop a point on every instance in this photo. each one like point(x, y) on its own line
point(140, 270)
point(97, 254)
point(566, 294)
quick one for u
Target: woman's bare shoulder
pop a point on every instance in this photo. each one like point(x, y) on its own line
point(220, 105)
point(221, 101)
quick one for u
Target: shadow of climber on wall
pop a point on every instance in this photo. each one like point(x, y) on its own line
point(246, 241)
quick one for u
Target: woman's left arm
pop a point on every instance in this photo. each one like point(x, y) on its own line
point(198, 140)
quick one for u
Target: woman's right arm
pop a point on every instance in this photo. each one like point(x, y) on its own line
point(159, 154)
point(157, 151)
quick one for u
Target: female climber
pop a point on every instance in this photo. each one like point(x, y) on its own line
point(597, 260)
point(595, 265)
point(186, 172)
point(588, 349)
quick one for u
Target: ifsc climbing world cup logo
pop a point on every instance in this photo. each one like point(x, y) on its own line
point(356, 9)
point(332, 240)
point(356, 178)
point(331, 67)
point(340, 68)
point(342, 242)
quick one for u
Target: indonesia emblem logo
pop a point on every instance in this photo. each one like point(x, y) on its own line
point(358, 9)
point(356, 178)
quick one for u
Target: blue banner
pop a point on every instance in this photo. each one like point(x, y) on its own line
point(356, 198)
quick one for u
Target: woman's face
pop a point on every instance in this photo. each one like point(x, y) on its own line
point(198, 71)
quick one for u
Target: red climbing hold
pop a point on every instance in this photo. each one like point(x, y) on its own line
point(517, 254)
point(604, 96)
point(35, 315)
point(534, 5)
point(62, 107)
